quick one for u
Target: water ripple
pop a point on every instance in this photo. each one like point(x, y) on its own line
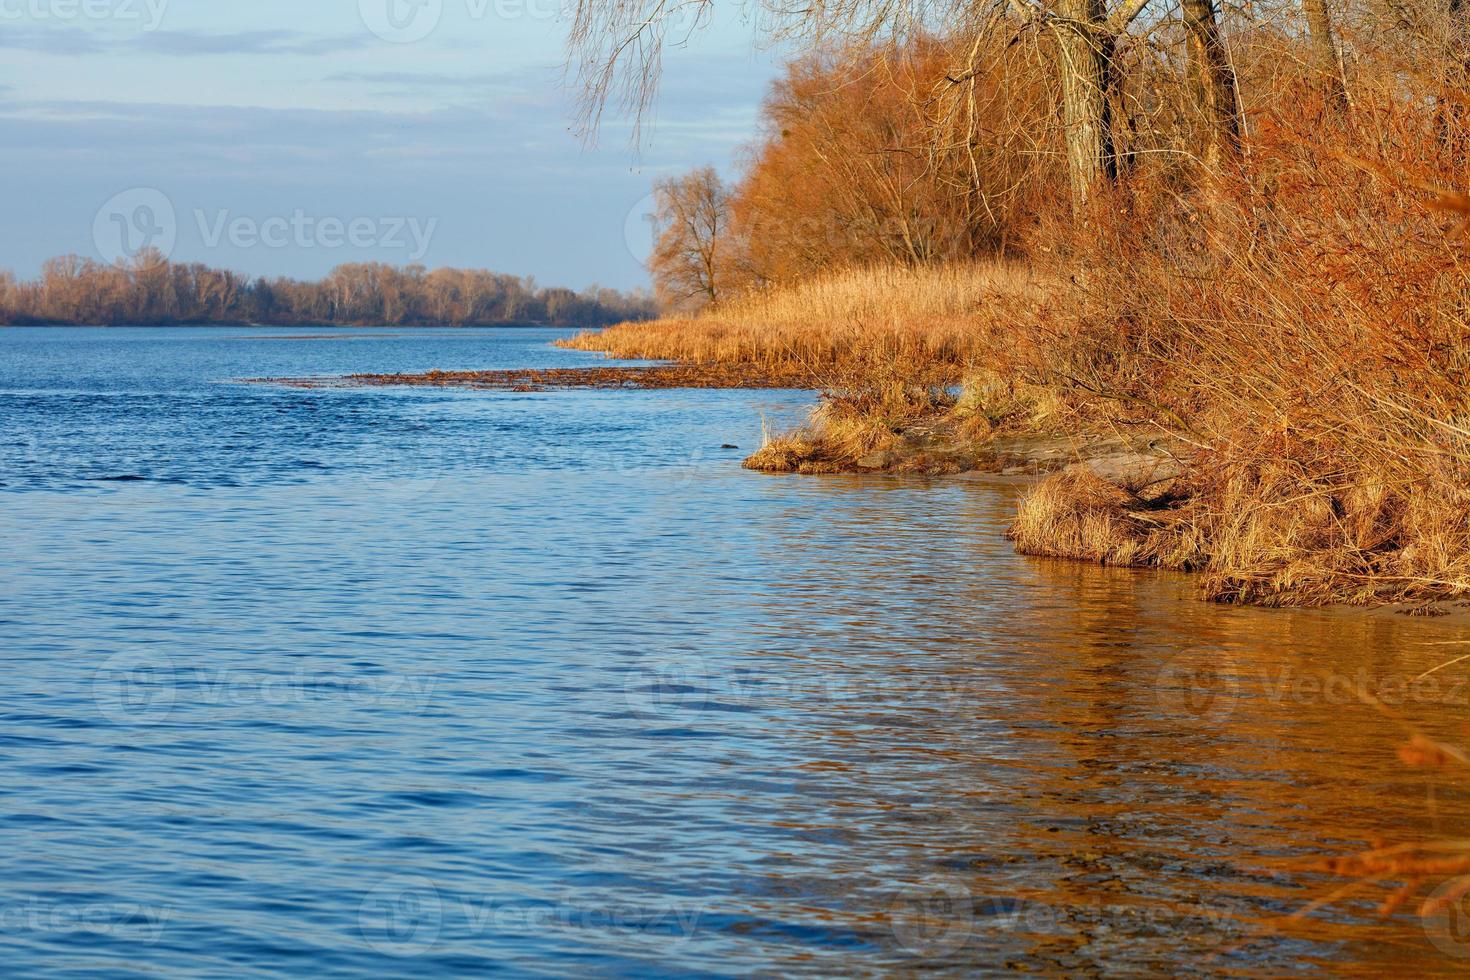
point(380, 683)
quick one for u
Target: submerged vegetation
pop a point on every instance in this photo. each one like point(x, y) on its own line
point(1260, 286)
point(151, 290)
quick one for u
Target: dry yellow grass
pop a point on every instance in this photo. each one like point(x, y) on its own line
point(889, 346)
point(925, 326)
point(1075, 514)
point(892, 298)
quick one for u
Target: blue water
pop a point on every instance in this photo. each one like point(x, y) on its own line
point(397, 682)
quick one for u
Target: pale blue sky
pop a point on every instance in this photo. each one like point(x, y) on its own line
point(244, 112)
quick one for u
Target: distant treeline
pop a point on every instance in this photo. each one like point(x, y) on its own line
point(152, 290)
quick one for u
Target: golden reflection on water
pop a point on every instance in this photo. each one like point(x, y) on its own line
point(1084, 770)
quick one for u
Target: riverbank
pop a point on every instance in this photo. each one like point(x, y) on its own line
point(1313, 456)
point(546, 379)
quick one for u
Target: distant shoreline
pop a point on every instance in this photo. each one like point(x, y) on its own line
point(309, 325)
point(150, 290)
point(660, 376)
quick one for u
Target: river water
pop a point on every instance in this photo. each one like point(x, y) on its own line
point(376, 682)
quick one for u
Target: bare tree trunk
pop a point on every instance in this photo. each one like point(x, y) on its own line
point(1324, 52)
point(1214, 83)
point(1085, 49)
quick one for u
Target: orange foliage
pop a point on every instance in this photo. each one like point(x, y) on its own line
point(902, 156)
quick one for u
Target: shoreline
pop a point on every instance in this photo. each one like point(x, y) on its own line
point(291, 325)
point(653, 377)
point(1093, 498)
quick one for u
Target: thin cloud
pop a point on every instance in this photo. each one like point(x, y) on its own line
point(229, 143)
point(414, 79)
point(72, 43)
point(193, 43)
point(40, 40)
point(501, 94)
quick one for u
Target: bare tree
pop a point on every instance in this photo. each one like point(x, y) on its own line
point(1323, 41)
point(617, 50)
point(690, 216)
point(1086, 49)
point(9, 295)
point(1213, 81)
